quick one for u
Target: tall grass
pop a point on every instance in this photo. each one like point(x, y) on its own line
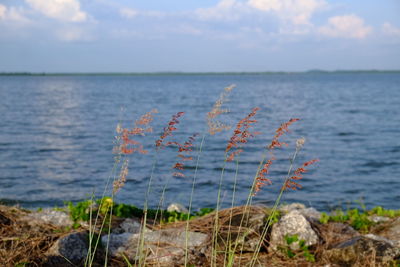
point(241, 134)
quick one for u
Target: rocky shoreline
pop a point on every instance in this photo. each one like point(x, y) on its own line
point(299, 237)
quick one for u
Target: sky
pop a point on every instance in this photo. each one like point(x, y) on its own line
point(198, 36)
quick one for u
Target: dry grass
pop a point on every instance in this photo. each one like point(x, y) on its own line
point(21, 241)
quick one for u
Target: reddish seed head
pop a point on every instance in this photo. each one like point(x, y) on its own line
point(183, 153)
point(215, 126)
point(284, 128)
point(168, 130)
point(241, 134)
point(262, 180)
point(125, 135)
point(298, 175)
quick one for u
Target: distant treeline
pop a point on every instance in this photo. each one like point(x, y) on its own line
point(189, 73)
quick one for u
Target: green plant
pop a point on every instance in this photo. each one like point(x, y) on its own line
point(79, 212)
point(358, 220)
point(290, 239)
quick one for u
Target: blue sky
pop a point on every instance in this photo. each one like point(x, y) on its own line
point(198, 36)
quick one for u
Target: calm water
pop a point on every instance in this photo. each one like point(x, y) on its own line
point(56, 136)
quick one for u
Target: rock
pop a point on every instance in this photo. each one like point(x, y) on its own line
point(310, 213)
point(290, 207)
point(362, 251)
point(164, 246)
point(4, 220)
point(379, 238)
point(390, 230)
point(128, 225)
point(58, 218)
point(70, 248)
point(256, 224)
point(251, 224)
point(378, 219)
point(293, 223)
point(177, 207)
point(334, 232)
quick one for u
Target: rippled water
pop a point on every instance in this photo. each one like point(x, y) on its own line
point(57, 135)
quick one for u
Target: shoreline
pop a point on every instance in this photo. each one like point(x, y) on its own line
point(299, 235)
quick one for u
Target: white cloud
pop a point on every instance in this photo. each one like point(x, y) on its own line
point(13, 15)
point(3, 10)
point(225, 10)
point(346, 26)
point(63, 10)
point(389, 29)
point(128, 12)
point(72, 34)
point(297, 11)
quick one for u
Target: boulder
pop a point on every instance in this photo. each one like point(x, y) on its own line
point(290, 207)
point(293, 223)
point(389, 230)
point(334, 232)
point(163, 246)
point(58, 218)
point(69, 248)
point(362, 251)
point(128, 225)
point(310, 213)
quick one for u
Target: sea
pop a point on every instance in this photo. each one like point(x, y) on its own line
point(58, 133)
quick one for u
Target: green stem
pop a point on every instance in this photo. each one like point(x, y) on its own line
point(277, 201)
point(145, 208)
point(191, 198)
point(228, 241)
point(215, 232)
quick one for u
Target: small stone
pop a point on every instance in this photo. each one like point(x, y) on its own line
point(293, 223)
point(177, 207)
point(378, 219)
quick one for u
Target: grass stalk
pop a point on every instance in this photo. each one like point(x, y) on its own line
point(191, 198)
point(274, 208)
point(145, 208)
point(216, 226)
point(228, 239)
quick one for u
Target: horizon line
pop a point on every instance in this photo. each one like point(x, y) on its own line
point(27, 73)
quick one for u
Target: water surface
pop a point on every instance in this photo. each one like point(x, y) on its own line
point(56, 136)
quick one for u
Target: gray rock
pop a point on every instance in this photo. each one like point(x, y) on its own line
point(128, 225)
point(378, 219)
point(177, 207)
point(118, 242)
point(290, 207)
point(379, 238)
point(362, 251)
point(164, 246)
point(58, 218)
point(390, 230)
point(176, 237)
point(310, 213)
point(70, 248)
point(335, 232)
point(293, 223)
